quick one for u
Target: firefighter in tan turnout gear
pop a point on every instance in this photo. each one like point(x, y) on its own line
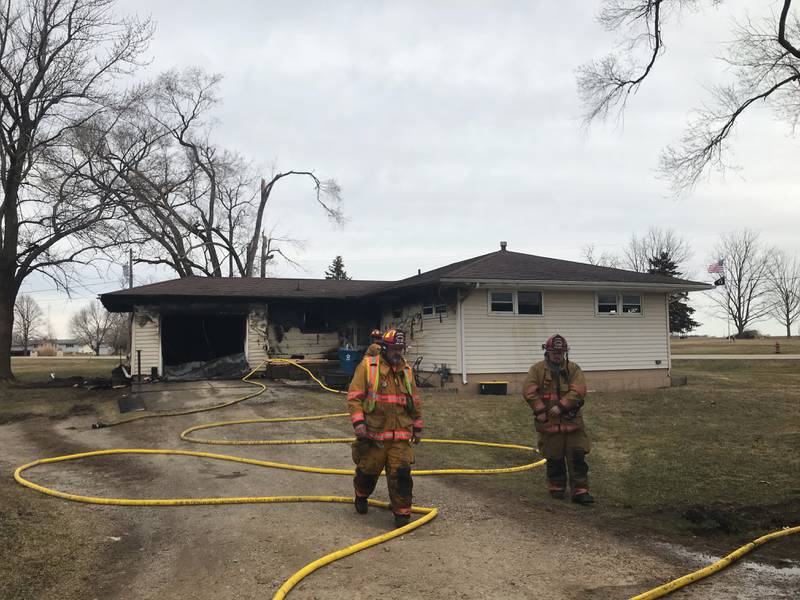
point(555, 389)
point(386, 414)
point(375, 347)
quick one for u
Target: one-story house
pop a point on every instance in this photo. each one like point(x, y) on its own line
point(480, 319)
point(65, 347)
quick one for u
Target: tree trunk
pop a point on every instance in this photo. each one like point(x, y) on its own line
point(7, 296)
point(788, 330)
point(263, 256)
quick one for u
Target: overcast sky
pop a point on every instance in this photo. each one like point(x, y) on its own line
point(454, 125)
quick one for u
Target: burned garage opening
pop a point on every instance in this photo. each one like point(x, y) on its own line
point(203, 346)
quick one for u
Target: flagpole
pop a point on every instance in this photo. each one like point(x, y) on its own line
point(719, 268)
point(727, 298)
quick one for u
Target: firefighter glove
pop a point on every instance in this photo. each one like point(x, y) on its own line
point(554, 411)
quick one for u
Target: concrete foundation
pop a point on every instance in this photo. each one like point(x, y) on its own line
point(598, 381)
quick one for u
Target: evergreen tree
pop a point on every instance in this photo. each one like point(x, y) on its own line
point(680, 313)
point(336, 270)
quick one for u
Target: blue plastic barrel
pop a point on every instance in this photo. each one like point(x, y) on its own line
point(349, 359)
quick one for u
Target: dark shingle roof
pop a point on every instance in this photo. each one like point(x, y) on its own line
point(246, 289)
point(504, 265)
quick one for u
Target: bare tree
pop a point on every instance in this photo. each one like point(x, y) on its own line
point(119, 333)
point(58, 62)
point(28, 320)
point(91, 326)
point(656, 243)
point(743, 298)
point(605, 259)
point(783, 275)
point(763, 58)
point(193, 206)
point(49, 333)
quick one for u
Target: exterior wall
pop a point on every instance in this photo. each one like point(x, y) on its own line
point(597, 381)
point(257, 340)
point(435, 341)
point(296, 343)
point(510, 343)
point(146, 336)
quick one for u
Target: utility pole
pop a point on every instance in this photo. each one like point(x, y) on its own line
point(130, 319)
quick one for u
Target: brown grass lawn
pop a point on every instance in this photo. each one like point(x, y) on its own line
point(29, 369)
point(723, 346)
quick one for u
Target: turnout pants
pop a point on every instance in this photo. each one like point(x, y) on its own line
point(396, 457)
point(566, 455)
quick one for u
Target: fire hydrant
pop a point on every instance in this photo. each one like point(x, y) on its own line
point(777, 348)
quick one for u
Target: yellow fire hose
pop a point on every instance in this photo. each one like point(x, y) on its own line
point(427, 512)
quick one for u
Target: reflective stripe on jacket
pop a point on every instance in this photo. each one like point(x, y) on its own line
point(385, 399)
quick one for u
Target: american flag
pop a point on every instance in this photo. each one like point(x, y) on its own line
point(716, 267)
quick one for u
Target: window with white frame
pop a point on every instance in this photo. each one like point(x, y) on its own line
point(529, 303)
point(515, 303)
point(432, 310)
point(612, 303)
point(501, 302)
point(607, 304)
point(631, 304)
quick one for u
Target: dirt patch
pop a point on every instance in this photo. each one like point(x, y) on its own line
point(74, 410)
point(728, 519)
point(16, 417)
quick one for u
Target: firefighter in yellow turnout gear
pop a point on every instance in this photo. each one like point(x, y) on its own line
point(555, 389)
point(386, 414)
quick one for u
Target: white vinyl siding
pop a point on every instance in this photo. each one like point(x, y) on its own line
point(435, 341)
point(512, 345)
point(146, 336)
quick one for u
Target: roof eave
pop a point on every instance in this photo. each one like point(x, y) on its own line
point(583, 285)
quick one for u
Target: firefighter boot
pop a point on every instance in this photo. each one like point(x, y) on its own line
point(401, 520)
point(361, 505)
point(583, 498)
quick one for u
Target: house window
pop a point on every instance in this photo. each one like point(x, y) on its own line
point(515, 303)
point(631, 304)
point(607, 304)
point(501, 302)
point(529, 303)
point(429, 311)
point(619, 304)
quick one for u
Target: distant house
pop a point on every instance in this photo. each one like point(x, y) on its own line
point(484, 318)
point(20, 350)
point(68, 347)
